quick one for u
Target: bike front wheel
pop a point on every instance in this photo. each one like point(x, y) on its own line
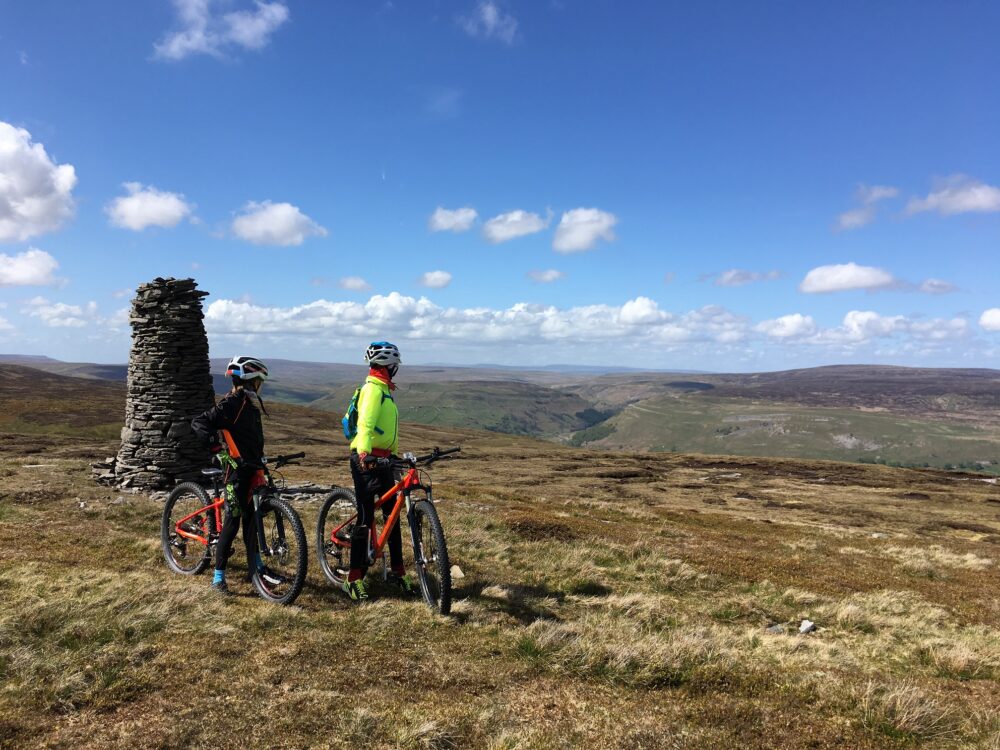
point(285, 553)
point(183, 554)
point(430, 554)
point(333, 547)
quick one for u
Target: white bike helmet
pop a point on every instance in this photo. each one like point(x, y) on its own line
point(383, 354)
point(246, 369)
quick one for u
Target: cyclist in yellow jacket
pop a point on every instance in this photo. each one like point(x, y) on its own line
point(377, 437)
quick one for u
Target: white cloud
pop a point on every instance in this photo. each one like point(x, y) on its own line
point(844, 277)
point(23, 57)
point(791, 326)
point(451, 220)
point(36, 195)
point(958, 194)
point(489, 21)
point(33, 267)
point(354, 283)
point(435, 279)
point(638, 324)
point(5, 325)
point(206, 31)
point(59, 314)
point(512, 225)
point(270, 223)
point(581, 228)
point(739, 277)
point(990, 319)
point(147, 207)
point(937, 286)
point(868, 196)
point(546, 277)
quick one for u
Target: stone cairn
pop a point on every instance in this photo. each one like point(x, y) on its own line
point(169, 383)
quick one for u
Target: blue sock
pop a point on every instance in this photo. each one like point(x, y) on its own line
point(220, 576)
point(259, 563)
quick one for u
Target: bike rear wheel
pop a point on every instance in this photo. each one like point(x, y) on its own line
point(285, 552)
point(335, 556)
point(187, 556)
point(430, 555)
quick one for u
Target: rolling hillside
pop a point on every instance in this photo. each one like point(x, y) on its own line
point(894, 415)
point(665, 588)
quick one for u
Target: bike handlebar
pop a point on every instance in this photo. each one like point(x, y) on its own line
point(279, 461)
point(430, 458)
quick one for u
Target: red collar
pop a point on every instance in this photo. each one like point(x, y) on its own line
point(379, 373)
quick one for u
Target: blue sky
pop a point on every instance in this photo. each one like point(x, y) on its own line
point(722, 185)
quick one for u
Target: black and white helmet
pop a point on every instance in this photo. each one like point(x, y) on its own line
point(247, 368)
point(383, 354)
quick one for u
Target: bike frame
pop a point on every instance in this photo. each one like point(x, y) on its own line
point(409, 480)
point(217, 507)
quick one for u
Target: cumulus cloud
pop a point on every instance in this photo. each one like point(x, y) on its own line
point(990, 319)
point(863, 326)
point(207, 31)
point(491, 22)
point(452, 220)
point(868, 196)
point(36, 194)
point(354, 284)
point(740, 277)
point(958, 194)
point(59, 314)
point(404, 317)
point(791, 326)
point(844, 277)
point(33, 267)
point(512, 225)
point(581, 228)
point(145, 206)
point(270, 223)
point(5, 325)
point(546, 277)
point(435, 279)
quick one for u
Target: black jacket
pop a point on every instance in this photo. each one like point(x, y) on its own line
point(237, 413)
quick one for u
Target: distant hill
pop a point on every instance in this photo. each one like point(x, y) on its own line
point(869, 413)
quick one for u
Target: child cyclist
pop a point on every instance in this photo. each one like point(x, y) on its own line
point(377, 437)
point(237, 412)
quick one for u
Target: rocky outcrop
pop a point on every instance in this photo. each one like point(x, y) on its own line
point(169, 382)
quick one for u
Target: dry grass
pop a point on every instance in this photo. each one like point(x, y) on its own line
point(597, 590)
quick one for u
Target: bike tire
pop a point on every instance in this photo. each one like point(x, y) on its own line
point(430, 554)
point(175, 548)
point(334, 560)
point(281, 525)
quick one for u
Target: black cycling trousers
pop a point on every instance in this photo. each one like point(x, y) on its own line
point(369, 486)
point(246, 517)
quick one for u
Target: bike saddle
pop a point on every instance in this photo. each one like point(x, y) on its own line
point(212, 472)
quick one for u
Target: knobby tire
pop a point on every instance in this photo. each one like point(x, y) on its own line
point(430, 554)
point(175, 546)
point(334, 561)
point(288, 523)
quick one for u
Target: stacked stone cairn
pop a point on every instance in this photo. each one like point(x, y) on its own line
point(169, 383)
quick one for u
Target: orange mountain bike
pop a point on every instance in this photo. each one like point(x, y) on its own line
point(189, 530)
point(413, 492)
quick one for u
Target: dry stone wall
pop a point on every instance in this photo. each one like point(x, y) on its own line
point(169, 383)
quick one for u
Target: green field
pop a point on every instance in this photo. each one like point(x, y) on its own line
point(704, 424)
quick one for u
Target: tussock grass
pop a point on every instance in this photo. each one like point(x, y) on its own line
point(582, 603)
point(905, 711)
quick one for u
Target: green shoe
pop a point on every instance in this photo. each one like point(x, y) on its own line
point(356, 590)
point(404, 583)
